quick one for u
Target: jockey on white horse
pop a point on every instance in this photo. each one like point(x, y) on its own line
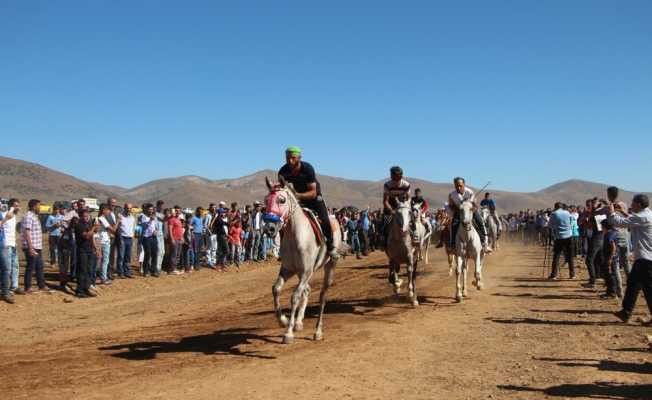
point(491, 205)
point(419, 202)
point(395, 190)
point(455, 199)
point(308, 191)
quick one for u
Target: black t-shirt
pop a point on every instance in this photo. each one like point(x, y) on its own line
point(83, 244)
point(300, 181)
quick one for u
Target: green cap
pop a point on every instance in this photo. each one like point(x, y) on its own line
point(294, 150)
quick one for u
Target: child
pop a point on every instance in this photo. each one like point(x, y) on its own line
point(235, 231)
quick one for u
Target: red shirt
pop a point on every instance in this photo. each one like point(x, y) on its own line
point(234, 234)
point(176, 229)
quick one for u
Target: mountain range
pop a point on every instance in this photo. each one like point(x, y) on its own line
point(26, 180)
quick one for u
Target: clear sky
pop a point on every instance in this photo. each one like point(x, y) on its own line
point(522, 93)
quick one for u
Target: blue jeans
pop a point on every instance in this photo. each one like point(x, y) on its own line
point(104, 264)
point(11, 263)
point(4, 273)
point(355, 242)
point(10, 256)
point(196, 246)
point(34, 265)
point(124, 256)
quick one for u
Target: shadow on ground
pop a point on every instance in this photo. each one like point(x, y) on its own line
point(224, 342)
point(536, 321)
point(597, 390)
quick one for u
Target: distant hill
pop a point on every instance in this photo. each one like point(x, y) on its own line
point(29, 180)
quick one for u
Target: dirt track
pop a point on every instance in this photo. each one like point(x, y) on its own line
point(212, 336)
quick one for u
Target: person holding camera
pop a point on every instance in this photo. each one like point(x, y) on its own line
point(639, 223)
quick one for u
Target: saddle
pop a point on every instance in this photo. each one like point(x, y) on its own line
point(315, 224)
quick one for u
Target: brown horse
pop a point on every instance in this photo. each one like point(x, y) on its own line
point(444, 228)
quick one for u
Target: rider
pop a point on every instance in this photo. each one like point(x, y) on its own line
point(491, 205)
point(422, 204)
point(396, 189)
point(455, 199)
point(308, 191)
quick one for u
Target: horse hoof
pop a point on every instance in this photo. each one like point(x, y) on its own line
point(458, 299)
point(283, 321)
point(288, 339)
point(318, 336)
point(298, 327)
point(415, 303)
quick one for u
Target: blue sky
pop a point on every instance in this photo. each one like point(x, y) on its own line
point(521, 93)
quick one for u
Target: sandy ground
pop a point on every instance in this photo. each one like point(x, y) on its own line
point(211, 335)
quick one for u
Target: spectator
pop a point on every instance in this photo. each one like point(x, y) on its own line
point(221, 230)
point(160, 237)
point(105, 229)
point(125, 231)
point(640, 226)
point(354, 239)
point(175, 229)
point(211, 241)
point(612, 277)
point(32, 237)
point(113, 237)
point(149, 231)
point(256, 232)
point(8, 254)
point(560, 224)
point(84, 232)
point(53, 225)
point(9, 248)
point(188, 252)
point(197, 228)
point(235, 232)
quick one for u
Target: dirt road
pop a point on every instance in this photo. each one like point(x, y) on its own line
point(212, 335)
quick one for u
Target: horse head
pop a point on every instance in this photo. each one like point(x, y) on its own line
point(466, 214)
point(403, 216)
point(280, 202)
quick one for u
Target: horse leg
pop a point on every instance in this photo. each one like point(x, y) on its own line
point(478, 271)
point(465, 270)
point(288, 338)
point(396, 269)
point(450, 262)
point(302, 309)
point(283, 276)
point(412, 287)
point(458, 279)
point(328, 280)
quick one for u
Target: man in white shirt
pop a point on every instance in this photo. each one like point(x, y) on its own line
point(455, 199)
point(9, 263)
point(256, 231)
point(126, 225)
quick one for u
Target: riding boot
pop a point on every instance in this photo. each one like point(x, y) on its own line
point(482, 231)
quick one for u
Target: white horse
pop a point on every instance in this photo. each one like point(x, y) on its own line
point(493, 230)
point(422, 234)
point(301, 255)
point(467, 245)
point(400, 251)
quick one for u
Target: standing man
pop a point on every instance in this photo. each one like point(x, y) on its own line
point(197, 224)
point(149, 224)
point(8, 255)
point(595, 242)
point(561, 227)
point(308, 191)
point(640, 226)
point(53, 225)
point(622, 236)
point(175, 230)
point(84, 232)
point(256, 232)
point(114, 238)
point(211, 241)
point(125, 231)
point(32, 236)
point(9, 248)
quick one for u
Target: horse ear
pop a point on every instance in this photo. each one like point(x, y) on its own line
point(268, 183)
point(291, 187)
point(282, 181)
